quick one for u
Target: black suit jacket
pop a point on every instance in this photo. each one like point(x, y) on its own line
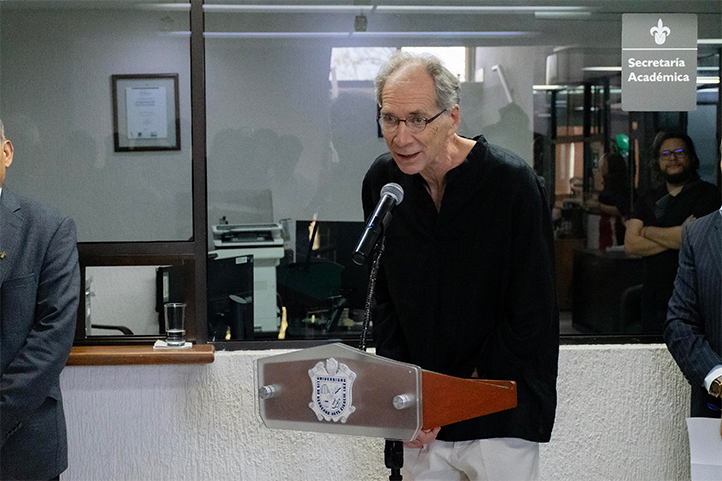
point(39, 292)
point(694, 325)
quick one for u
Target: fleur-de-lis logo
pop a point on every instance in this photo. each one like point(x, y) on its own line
point(660, 32)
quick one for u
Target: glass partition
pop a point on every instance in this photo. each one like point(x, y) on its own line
point(56, 101)
point(95, 97)
point(291, 133)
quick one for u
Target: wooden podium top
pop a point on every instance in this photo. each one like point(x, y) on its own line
point(448, 399)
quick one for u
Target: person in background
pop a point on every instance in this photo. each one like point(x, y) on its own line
point(654, 230)
point(466, 283)
point(39, 293)
point(693, 331)
point(613, 202)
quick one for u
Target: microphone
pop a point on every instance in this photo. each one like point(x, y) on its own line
point(391, 195)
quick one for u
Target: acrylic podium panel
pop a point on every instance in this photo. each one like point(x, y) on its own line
point(342, 390)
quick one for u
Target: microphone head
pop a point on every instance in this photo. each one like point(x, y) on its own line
point(394, 190)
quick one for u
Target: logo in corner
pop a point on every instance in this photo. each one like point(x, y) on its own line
point(332, 391)
point(660, 33)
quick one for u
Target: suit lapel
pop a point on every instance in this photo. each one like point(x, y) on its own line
point(10, 228)
point(716, 235)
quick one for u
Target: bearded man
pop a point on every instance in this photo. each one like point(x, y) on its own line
point(654, 230)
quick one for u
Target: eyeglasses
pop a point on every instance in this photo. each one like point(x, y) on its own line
point(668, 154)
point(415, 123)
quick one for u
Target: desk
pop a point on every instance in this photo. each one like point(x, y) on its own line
point(599, 281)
point(564, 257)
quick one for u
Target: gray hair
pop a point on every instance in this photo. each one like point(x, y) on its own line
point(2, 131)
point(446, 83)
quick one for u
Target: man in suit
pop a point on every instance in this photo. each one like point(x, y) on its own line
point(693, 329)
point(466, 283)
point(39, 292)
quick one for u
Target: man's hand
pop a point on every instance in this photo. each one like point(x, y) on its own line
point(425, 436)
point(592, 204)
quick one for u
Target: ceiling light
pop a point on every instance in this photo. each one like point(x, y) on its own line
point(165, 6)
point(602, 69)
point(276, 34)
point(561, 15)
point(366, 34)
point(401, 9)
point(547, 87)
point(477, 9)
point(288, 8)
point(445, 34)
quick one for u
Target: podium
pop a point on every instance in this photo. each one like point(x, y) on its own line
point(338, 389)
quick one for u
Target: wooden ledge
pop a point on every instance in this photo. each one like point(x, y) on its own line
point(139, 355)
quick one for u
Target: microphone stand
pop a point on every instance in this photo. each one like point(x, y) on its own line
point(394, 449)
point(376, 261)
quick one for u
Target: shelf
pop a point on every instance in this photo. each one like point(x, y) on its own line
point(139, 355)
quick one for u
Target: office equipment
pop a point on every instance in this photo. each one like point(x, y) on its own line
point(230, 298)
point(246, 235)
point(265, 243)
point(324, 290)
point(339, 275)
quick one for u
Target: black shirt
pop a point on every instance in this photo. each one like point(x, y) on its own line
point(472, 285)
point(659, 209)
point(616, 196)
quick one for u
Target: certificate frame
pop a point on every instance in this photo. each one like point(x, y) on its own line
point(148, 105)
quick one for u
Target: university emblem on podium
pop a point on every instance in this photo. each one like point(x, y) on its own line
point(332, 388)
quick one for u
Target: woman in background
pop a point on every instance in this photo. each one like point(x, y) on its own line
point(613, 202)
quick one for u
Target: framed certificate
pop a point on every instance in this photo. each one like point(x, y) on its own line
point(145, 112)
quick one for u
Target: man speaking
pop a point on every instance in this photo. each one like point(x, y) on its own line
point(466, 285)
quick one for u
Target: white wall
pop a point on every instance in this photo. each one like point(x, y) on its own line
point(124, 295)
point(620, 416)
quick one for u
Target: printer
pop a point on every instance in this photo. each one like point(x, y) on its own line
point(265, 243)
point(246, 235)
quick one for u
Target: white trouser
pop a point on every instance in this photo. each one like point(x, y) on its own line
point(478, 460)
